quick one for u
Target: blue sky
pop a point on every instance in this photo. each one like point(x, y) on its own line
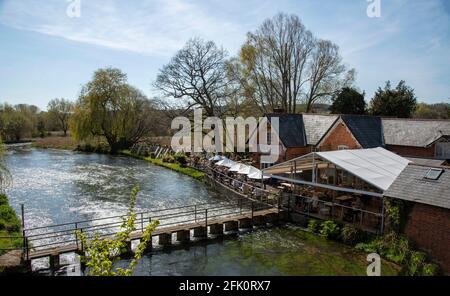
point(44, 54)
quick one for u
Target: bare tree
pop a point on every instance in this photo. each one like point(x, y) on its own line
point(285, 65)
point(197, 76)
point(60, 110)
point(326, 73)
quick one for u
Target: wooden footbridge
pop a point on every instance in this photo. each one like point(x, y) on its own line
point(177, 225)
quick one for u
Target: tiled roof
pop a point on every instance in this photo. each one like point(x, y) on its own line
point(414, 132)
point(292, 131)
point(316, 126)
point(366, 129)
point(411, 185)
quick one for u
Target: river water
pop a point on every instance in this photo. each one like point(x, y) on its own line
point(62, 186)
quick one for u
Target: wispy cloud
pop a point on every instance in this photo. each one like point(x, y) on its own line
point(149, 27)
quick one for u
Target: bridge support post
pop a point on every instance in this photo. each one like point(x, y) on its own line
point(271, 218)
point(183, 236)
point(245, 223)
point(259, 221)
point(231, 226)
point(54, 261)
point(165, 239)
point(149, 246)
point(216, 229)
point(129, 248)
point(200, 231)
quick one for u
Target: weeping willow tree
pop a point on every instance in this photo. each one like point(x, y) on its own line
point(110, 108)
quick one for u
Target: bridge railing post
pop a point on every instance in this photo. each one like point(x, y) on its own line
point(76, 234)
point(206, 220)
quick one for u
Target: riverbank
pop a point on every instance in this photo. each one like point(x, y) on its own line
point(194, 173)
point(10, 232)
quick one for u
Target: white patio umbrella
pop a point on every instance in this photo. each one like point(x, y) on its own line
point(244, 170)
point(228, 163)
point(256, 174)
point(217, 157)
point(236, 167)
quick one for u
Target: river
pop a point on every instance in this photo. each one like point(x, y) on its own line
point(63, 186)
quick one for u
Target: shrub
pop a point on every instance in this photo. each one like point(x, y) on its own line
point(168, 159)
point(330, 229)
point(181, 158)
point(430, 269)
point(351, 235)
point(152, 155)
point(313, 225)
point(3, 200)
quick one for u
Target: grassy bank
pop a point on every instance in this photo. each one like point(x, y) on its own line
point(63, 143)
point(196, 174)
point(9, 225)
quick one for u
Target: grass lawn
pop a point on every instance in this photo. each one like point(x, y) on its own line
point(196, 174)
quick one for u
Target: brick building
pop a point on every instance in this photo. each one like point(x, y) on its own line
point(304, 133)
point(352, 132)
point(426, 192)
point(417, 137)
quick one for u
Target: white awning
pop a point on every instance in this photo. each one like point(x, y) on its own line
point(244, 170)
point(376, 166)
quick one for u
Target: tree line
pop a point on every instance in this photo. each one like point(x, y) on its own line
point(23, 121)
point(280, 66)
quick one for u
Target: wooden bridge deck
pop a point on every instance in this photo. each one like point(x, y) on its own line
point(268, 214)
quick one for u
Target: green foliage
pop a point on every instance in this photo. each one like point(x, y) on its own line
point(180, 158)
point(330, 229)
point(394, 209)
point(348, 101)
point(396, 248)
point(313, 225)
point(102, 253)
point(398, 102)
point(168, 159)
point(351, 235)
point(10, 225)
point(111, 108)
point(432, 111)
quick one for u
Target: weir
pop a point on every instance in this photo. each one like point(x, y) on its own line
point(187, 223)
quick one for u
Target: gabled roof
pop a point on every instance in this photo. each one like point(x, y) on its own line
point(414, 132)
point(366, 129)
point(316, 126)
point(291, 130)
point(412, 186)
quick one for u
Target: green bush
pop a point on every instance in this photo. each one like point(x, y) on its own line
point(181, 158)
point(396, 248)
point(313, 225)
point(3, 200)
point(351, 235)
point(168, 159)
point(330, 229)
point(152, 155)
